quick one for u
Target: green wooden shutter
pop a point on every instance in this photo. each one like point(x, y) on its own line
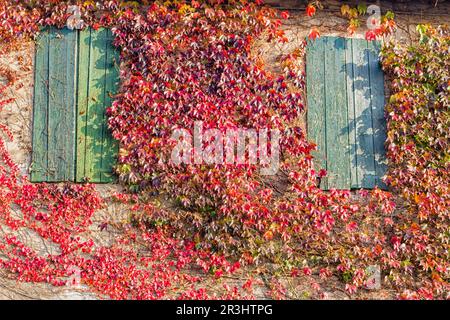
point(76, 72)
point(54, 107)
point(345, 93)
point(97, 81)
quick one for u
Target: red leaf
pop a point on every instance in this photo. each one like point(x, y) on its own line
point(314, 34)
point(310, 10)
point(371, 35)
point(285, 15)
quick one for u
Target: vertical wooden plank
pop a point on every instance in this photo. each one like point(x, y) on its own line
point(378, 119)
point(315, 78)
point(352, 139)
point(84, 45)
point(39, 166)
point(71, 96)
point(61, 106)
point(110, 145)
point(363, 115)
point(338, 161)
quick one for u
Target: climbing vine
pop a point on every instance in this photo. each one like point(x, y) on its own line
point(192, 61)
point(379, 25)
point(418, 150)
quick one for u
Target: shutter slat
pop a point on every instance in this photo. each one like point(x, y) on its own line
point(39, 166)
point(352, 139)
point(315, 73)
point(84, 45)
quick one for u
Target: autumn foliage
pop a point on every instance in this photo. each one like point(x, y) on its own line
point(418, 151)
point(185, 62)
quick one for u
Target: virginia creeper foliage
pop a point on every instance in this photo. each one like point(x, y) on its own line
point(192, 61)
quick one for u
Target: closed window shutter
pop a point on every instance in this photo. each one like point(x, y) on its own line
point(345, 94)
point(76, 72)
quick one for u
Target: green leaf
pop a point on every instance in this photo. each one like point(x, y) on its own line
point(389, 15)
point(362, 9)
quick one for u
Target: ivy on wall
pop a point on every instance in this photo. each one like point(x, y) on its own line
point(183, 62)
point(418, 152)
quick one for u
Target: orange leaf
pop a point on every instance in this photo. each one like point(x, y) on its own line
point(268, 235)
point(314, 34)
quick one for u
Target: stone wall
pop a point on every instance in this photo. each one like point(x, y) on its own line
point(18, 115)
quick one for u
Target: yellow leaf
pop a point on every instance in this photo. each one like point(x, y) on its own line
point(123, 152)
point(345, 9)
point(353, 13)
point(88, 3)
point(133, 4)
